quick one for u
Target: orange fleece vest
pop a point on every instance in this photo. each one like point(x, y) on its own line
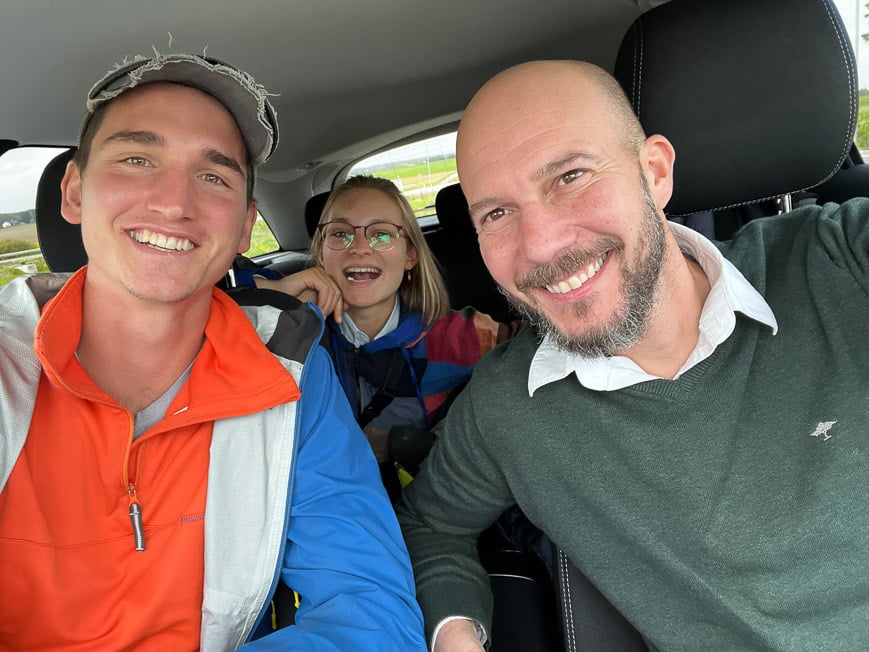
point(71, 576)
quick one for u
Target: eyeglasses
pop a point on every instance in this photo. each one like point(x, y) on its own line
point(381, 236)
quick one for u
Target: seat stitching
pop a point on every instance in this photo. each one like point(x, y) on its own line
point(567, 602)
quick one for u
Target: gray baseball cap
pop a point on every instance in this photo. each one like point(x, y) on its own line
point(243, 97)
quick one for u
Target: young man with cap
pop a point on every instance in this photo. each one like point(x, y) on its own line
point(166, 456)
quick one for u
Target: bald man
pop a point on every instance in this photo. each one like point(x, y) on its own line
point(685, 419)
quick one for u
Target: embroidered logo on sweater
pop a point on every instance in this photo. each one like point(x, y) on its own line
point(823, 429)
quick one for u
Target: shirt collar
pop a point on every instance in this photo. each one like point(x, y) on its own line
point(730, 292)
point(357, 338)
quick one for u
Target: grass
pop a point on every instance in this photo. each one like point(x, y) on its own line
point(261, 240)
point(18, 238)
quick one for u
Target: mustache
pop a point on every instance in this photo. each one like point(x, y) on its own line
point(567, 263)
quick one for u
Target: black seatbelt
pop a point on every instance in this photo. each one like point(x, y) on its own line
point(383, 396)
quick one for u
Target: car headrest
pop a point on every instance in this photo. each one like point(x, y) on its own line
point(59, 240)
point(452, 210)
point(313, 211)
point(758, 97)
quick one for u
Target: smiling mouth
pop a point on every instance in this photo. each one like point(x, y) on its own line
point(360, 274)
point(578, 279)
point(160, 241)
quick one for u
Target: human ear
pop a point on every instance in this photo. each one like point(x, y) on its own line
point(657, 158)
point(70, 194)
point(250, 218)
point(412, 257)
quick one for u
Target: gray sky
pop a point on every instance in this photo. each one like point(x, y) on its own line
point(19, 175)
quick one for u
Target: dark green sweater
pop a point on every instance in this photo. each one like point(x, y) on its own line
point(707, 509)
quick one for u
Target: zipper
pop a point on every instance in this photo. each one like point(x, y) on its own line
point(128, 482)
point(136, 519)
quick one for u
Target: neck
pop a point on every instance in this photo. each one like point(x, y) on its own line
point(371, 320)
point(134, 350)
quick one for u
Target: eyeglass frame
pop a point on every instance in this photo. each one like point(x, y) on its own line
point(322, 227)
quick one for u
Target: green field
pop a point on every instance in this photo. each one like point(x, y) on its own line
point(18, 238)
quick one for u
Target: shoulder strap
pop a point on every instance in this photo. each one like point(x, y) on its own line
point(383, 396)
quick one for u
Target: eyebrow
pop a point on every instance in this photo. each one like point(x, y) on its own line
point(219, 158)
point(544, 171)
point(139, 137)
point(557, 165)
point(149, 138)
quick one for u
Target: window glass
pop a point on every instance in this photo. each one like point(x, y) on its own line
point(854, 16)
point(20, 170)
point(262, 240)
point(419, 169)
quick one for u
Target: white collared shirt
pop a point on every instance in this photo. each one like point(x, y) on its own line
point(729, 293)
point(357, 338)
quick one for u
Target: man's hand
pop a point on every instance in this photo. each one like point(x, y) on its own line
point(312, 285)
point(459, 635)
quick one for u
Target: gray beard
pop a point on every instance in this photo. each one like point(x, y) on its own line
point(640, 282)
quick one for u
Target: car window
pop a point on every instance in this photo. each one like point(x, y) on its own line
point(854, 17)
point(20, 170)
point(262, 240)
point(419, 169)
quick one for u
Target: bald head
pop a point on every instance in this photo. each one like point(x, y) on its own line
point(544, 92)
point(567, 196)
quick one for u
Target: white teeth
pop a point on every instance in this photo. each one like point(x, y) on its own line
point(160, 241)
point(351, 272)
point(576, 281)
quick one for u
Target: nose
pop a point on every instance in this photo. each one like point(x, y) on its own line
point(360, 242)
point(540, 233)
point(172, 193)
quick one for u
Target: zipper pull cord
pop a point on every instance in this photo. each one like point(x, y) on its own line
point(136, 519)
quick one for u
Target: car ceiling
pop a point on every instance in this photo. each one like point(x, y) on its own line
point(350, 77)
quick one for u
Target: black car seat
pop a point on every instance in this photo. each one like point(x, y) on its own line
point(759, 100)
point(454, 245)
point(313, 211)
point(758, 97)
point(59, 240)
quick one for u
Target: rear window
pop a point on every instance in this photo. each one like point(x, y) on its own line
point(20, 170)
point(419, 169)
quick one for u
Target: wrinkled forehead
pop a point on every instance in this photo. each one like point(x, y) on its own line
point(504, 145)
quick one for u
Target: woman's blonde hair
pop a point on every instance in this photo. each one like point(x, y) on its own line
point(425, 292)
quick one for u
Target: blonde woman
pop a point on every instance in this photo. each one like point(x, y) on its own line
point(401, 354)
